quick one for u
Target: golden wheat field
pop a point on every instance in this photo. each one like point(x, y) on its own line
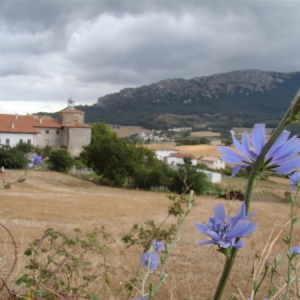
point(49, 199)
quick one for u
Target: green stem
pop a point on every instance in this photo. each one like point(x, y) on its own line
point(273, 270)
point(261, 281)
point(291, 116)
point(225, 274)
point(175, 240)
point(289, 247)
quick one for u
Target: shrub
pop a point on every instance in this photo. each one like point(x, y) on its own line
point(12, 158)
point(56, 259)
point(60, 160)
point(24, 147)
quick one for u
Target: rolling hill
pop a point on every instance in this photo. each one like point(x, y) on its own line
point(237, 98)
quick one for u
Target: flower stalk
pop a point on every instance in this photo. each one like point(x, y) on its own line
point(291, 116)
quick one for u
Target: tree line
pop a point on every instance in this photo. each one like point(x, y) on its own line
point(115, 161)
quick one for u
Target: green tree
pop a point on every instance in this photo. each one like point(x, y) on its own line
point(145, 177)
point(12, 158)
point(114, 158)
point(24, 147)
point(187, 178)
point(60, 160)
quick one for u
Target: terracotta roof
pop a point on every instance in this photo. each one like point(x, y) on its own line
point(45, 121)
point(25, 124)
point(183, 155)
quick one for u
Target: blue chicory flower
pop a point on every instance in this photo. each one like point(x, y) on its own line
point(150, 260)
point(280, 159)
point(158, 246)
point(36, 160)
point(142, 298)
point(224, 230)
point(295, 250)
point(295, 180)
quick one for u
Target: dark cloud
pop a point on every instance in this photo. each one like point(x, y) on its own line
point(51, 48)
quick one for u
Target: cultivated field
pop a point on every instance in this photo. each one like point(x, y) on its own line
point(49, 199)
point(196, 150)
point(205, 134)
point(125, 131)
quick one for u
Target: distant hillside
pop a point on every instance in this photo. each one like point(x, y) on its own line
point(236, 98)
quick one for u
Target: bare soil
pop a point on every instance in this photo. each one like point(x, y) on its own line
point(49, 199)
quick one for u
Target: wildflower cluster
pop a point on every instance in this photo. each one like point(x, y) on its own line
point(36, 160)
point(281, 158)
point(150, 258)
point(226, 231)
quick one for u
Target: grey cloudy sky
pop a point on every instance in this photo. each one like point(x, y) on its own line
point(52, 49)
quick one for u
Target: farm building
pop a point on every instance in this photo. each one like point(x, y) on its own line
point(178, 158)
point(212, 162)
point(68, 132)
point(212, 177)
point(163, 154)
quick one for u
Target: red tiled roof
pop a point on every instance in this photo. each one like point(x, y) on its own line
point(45, 121)
point(26, 124)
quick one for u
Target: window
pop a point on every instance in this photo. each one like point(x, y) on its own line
point(29, 142)
point(57, 131)
point(7, 141)
point(21, 141)
point(47, 131)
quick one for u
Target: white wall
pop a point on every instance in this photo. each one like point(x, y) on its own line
point(213, 177)
point(14, 138)
point(162, 154)
point(178, 161)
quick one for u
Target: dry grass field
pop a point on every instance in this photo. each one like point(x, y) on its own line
point(125, 131)
point(196, 150)
point(205, 134)
point(49, 199)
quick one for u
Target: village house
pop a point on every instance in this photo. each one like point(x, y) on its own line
point(212, 177)
point(67, 132)
point(163, 154)
point(212, 162)
point(178, 159)
point(174, 159)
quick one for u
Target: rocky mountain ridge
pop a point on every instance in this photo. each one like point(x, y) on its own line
point(206, 87)
point(237, 98)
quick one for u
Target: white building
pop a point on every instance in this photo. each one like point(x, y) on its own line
point(162, 154)
point(68, 132)
point(212, 177)
point(178, 159)
point(213, 162)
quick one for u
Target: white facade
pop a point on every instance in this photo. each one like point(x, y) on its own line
point(215, 163)
point(171, 160)
point(212, 177)
point(12, 139)
point(162, 154)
